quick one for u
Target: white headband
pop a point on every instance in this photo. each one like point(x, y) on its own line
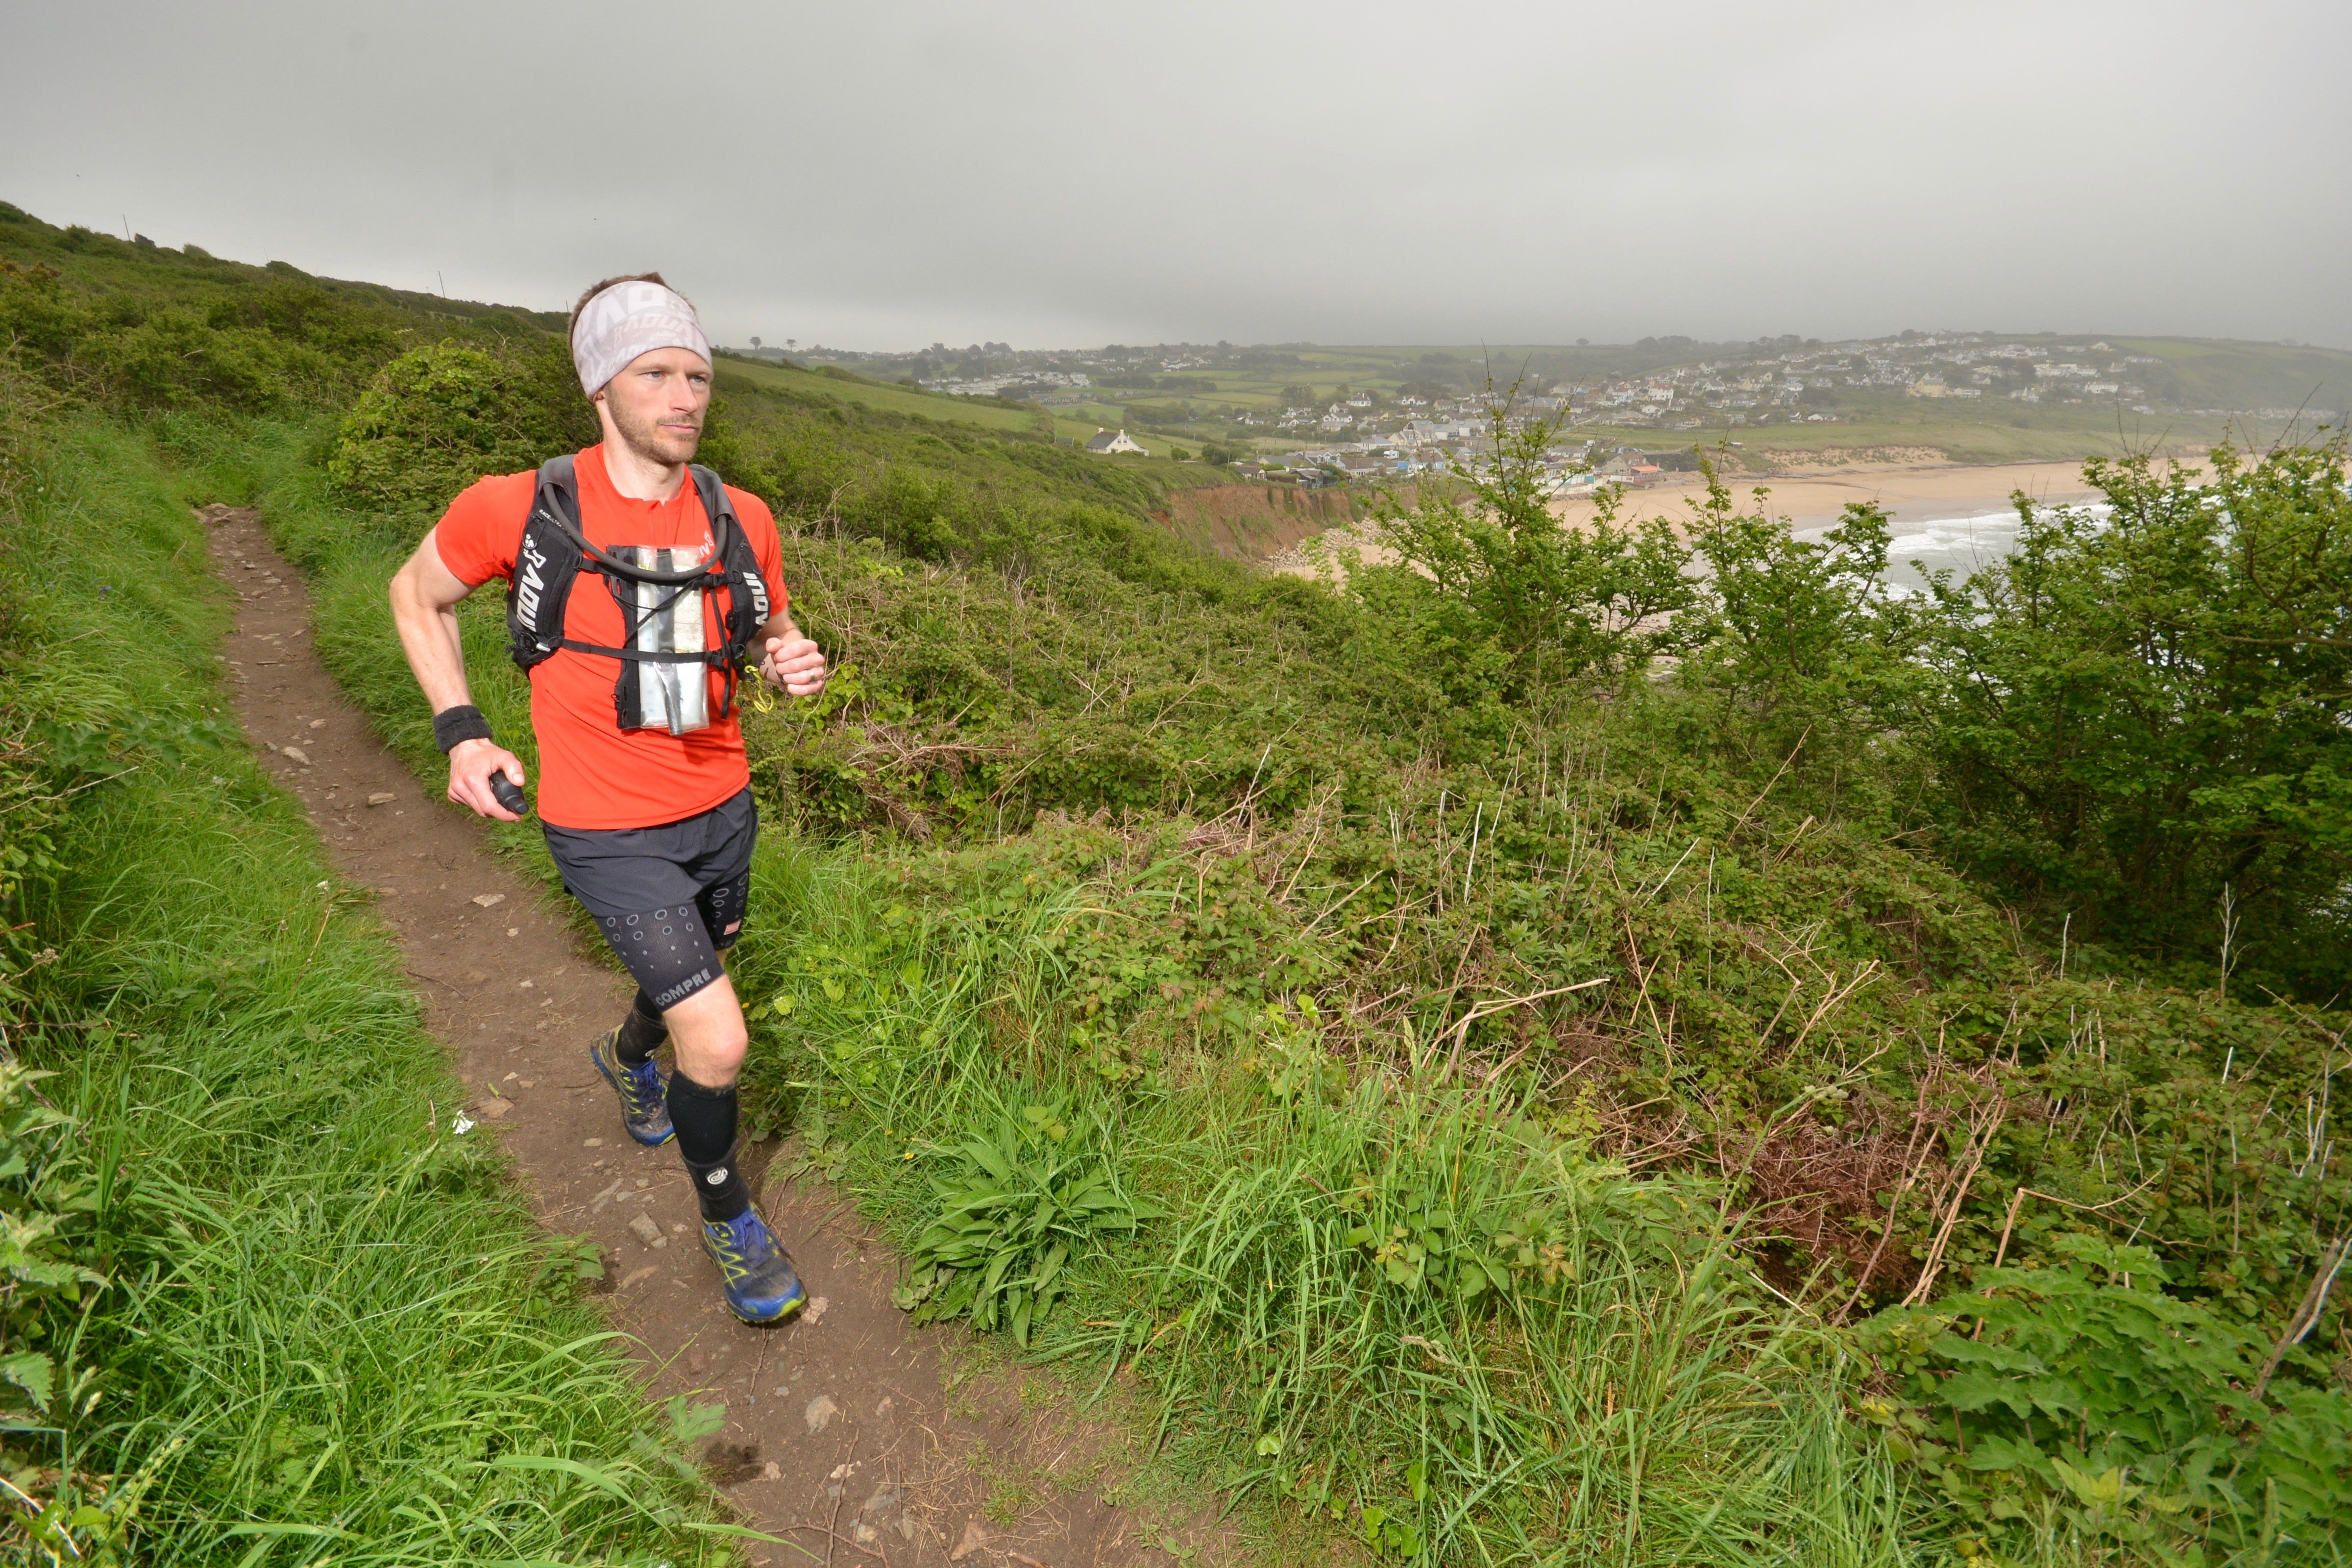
point(628, 319)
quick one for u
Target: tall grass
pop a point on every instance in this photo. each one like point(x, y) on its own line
point(333, 1333)
point(1633, 1395)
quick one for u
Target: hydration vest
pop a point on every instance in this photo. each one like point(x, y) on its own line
point(666, 606)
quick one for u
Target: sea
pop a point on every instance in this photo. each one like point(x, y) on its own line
point(1960, 545)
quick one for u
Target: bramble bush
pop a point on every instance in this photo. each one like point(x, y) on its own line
point(2085, 1393)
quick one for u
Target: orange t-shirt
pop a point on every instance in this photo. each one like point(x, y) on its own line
point(592, 773)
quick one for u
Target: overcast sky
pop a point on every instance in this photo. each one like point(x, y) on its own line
point(886, 175)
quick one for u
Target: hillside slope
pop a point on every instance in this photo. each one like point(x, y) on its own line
point(1504, 1083)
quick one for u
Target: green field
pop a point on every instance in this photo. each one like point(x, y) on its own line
point(1991, 430)
point(1067, 425)
point(1564, 1050)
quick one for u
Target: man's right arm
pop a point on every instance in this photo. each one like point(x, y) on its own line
point(425, 597)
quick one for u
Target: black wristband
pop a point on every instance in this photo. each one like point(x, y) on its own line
point(452, 725)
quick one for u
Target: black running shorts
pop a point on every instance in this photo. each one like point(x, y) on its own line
point(669, 899)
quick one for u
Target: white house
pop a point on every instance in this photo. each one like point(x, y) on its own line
point(1108, 441)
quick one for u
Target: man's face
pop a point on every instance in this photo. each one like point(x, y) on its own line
point(656, 404)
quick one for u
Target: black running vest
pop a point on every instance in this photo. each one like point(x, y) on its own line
point(554, 551)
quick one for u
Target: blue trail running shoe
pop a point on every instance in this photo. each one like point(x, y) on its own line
point(645, 1102)
point(755, 1272)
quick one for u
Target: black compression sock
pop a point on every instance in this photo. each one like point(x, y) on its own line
point(705, 1119)
point(642, 1032)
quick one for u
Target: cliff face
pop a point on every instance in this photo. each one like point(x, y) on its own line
point(1252, 522)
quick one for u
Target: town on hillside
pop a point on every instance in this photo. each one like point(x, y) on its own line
point(1316, 415)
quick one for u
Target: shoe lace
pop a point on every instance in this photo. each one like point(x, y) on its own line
point(733, 1250)
point(640, 1086)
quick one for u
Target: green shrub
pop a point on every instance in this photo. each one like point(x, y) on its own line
point(441, 416)
point(283, 345)
point(2087, 1395)
point(2144, 711)
point(1801, 636)
point(176, 357)
point(1491, 587)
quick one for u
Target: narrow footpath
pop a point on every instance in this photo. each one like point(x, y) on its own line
point(850, 1432)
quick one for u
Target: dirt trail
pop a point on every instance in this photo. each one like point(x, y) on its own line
point(850, 1432)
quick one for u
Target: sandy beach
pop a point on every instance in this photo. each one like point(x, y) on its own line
point(1812, 496)
point(1911, 493)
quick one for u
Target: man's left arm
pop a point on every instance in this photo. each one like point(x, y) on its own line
point(791, 660)
point(787, 659)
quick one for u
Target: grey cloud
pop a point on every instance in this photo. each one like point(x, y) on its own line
point(1057, 174)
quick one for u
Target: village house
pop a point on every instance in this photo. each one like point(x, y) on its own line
point(1106, 442)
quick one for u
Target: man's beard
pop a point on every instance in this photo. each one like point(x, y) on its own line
point(648, 440)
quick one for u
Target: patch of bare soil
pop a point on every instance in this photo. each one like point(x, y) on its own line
point(850, 1432)
point(1252, 522)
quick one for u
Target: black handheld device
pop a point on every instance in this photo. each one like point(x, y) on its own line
point(508, 793)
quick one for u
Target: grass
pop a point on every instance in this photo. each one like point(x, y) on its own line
point(333, 1332)
point(1628, 1401)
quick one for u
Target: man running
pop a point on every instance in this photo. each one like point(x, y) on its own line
point(645, 590)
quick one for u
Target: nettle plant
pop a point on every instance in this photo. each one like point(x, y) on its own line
point(2085, 1394)
point(48, 1194)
